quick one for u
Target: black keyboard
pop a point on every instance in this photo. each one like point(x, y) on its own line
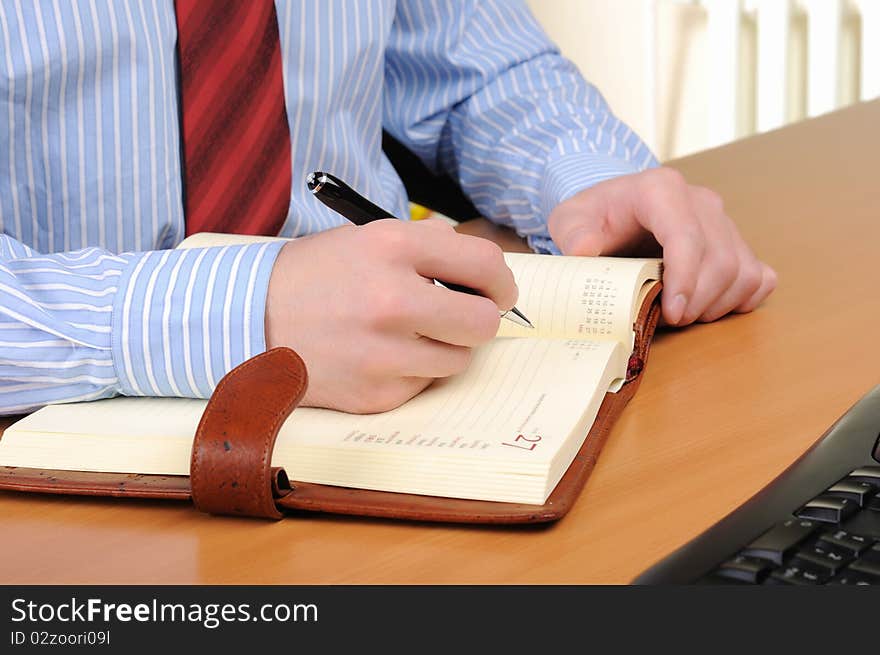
point(818, 523)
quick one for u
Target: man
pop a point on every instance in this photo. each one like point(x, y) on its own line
point(111, 153)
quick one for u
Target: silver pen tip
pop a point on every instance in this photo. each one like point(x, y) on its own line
point(519, 318)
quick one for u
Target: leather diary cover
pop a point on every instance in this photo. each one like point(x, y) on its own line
point(230, 470)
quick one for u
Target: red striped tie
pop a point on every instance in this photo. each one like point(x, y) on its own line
point(236, 141)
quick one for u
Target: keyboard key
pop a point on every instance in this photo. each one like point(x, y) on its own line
point(847, 539)
point(865, 523)
point(856, 490)
point(866, 474)
point(852, 541)
point(872, 554)
point(802, 573)
point(874, 503)
point(828, 509)
point(780, 540)
point(864, 566)
point(850, 577)
point(825, 554)
point(745, 569)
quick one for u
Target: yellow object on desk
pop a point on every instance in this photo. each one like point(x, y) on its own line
point(417, 212)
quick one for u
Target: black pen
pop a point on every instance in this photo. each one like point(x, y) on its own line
point(344, 200)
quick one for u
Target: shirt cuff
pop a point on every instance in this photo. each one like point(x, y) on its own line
point(569, 174)
point(182, 319)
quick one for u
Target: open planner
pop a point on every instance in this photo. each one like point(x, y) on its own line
point(506, 431)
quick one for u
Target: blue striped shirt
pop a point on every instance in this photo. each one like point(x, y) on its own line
point(93, 302)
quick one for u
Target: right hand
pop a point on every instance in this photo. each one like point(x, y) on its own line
point(359, 305)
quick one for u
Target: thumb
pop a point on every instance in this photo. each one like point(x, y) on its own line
point(596, 221)
point(435, 222)
point(587, 241)
point(580, 228)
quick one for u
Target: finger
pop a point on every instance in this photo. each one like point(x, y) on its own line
point(721, 265)
point(437, 223)
point(747, 282)
point(579, 226)
point(599, 221)
point(455, 318)
point(664, 208)
point(769, 280)
point(467, 260)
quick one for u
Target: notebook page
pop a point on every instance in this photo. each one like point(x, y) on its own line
point(577, 297)
point(529, 387)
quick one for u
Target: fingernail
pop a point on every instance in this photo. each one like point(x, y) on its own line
point(676, 309)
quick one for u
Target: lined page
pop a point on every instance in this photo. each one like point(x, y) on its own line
point(514, 390)
point(577, 297)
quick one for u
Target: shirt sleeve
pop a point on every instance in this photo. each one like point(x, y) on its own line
point(478, 91)
point(91, 324)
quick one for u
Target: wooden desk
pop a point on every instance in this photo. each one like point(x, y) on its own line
point(723, 409)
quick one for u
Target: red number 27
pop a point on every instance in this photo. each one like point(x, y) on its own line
point(533, 441)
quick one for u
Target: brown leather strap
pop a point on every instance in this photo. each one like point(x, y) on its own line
point(230, 469)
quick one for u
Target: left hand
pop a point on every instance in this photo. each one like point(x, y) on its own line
point(709, 270)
